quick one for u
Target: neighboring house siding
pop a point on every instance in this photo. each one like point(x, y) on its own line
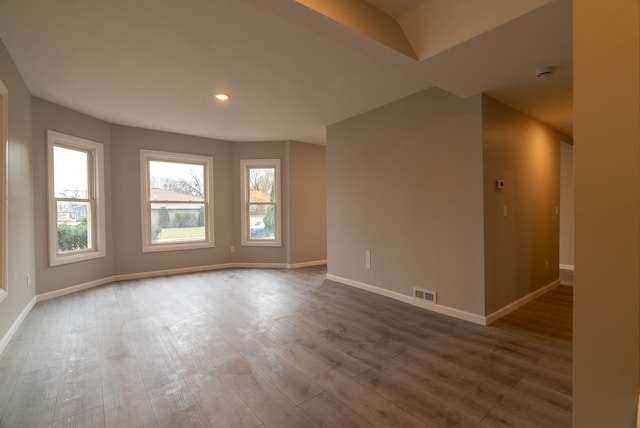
point(158, 196)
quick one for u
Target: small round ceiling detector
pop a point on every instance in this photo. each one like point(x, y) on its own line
point(545, 72)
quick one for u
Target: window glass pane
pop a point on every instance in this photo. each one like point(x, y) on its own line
point(262, 221)
point(174, 181)
point(262, 184)
point(176, 222)
point(73, 219)
point(70, 175)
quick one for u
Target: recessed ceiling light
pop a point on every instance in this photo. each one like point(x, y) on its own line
point(222, 97)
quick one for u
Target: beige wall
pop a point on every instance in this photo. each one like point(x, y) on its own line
point(129, 258)
point(607, 204)
point(405, 182)
point(20, 245)
point(307, 203)
point(567, 211)
point(521, 249)
point(46, 116)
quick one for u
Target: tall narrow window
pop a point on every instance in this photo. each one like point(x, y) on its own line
point(177, 198)
point(4, 284)
point(76, 199)
point(261, 211)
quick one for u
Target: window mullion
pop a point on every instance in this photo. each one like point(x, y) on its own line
point(90, 200)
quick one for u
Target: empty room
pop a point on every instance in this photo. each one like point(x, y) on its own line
point(304, 213)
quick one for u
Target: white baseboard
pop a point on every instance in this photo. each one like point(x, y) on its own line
point(566, 267)
point(73, 289)
point(306, 264)
point(445, 310)
point(168, 272)
point(520, 302)
point(16, 324)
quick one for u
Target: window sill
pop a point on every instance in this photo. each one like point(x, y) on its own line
point(261, 244)
point(74, 258)
point(177, 246)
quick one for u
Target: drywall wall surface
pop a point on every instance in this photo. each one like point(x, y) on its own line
point(567, 211)
point(129, 258)
point(606, 43)
point(521, 220)
point(20, 245)
point(49, 116)
point(250, 151)
point(307, 203)
point(405, 183)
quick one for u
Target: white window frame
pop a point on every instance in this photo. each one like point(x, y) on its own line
point(96, 197)
point(4, 143)
point(207, 162)
point(245, 166)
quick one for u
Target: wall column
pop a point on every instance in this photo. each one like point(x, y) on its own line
point(607, 205)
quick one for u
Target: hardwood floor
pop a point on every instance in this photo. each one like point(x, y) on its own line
point(276, 348)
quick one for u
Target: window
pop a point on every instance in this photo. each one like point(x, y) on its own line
point(261, 212)
point(4, 284)
point(177, 201)
point(76, 199)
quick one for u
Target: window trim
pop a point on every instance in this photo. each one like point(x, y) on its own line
point(155, 155)
point(245, 165)
point(4, 180)
point(97, 197)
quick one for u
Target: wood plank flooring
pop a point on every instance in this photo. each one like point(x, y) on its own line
point(277, 348)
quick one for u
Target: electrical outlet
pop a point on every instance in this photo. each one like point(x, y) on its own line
point(232, 249)
point(28, 280)
point(367, 259)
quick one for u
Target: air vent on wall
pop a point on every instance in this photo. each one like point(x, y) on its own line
point(423, 294)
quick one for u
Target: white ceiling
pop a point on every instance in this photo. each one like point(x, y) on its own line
point(290, 71)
